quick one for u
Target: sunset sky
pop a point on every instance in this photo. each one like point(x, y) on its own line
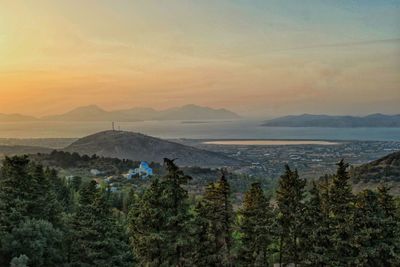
point(258, 58)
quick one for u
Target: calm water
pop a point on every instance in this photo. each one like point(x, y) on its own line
point(269, 142)
point(240, 129)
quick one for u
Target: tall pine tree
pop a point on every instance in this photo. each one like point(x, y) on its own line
point(46, 205)
point(255, 221)
point(159, 221)
point(315, 235)
point(216, 213)
point(290, 197)
point(340, 208)
point(146, 221)
point(96, 238)
point(389, 249)
point(367, 238)
point(16, 192)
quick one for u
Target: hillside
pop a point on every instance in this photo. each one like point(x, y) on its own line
point(309, 120)
point(188, 112)
point(384, 170)
point(137, 147)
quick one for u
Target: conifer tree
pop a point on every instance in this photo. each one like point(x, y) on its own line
point(61, 189)
point(218, 212)
point(341, 207)
point(290, 196)
point(367, 238)
point(45, 205)
point(175, 205)
point(97, 240)
point(160, 221)
point(146, 221)
point(315, 236)
point(25, 193)
point(389, 250)
point(16, 192)
point(203, 246)
point(255, 227)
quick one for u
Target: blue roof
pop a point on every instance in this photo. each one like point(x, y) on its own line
point(144, 164)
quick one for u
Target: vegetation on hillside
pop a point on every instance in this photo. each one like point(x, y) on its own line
point(48, 221)
point(385, 169)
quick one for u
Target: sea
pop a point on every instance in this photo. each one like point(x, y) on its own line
point(243, 129)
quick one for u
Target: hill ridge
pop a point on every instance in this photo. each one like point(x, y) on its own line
point(138, 146)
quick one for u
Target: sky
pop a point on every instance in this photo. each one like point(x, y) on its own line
point(258, 58)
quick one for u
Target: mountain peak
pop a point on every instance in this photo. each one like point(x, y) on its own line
point(88, 108)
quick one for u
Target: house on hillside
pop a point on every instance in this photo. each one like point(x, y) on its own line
point(143, 171)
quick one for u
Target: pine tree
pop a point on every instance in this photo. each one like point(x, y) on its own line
point(216, 209)
point(76, 183)
point(16, 192)
point(389, 250)
point(315, 236)
point(16, 197)
point(160, 221)
point(290, 196)
point(175, 205)
point(255, 227)
point(146, 221)
point(25, 193)
point(45, 205)
point(203, 245)
point(367, 238)
point(341, 207)
point(97, 239)
point(61, 189)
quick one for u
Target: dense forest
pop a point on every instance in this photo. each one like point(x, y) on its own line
point(46, 220)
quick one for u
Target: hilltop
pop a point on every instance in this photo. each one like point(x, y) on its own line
point(310, 120)
point(137, 147)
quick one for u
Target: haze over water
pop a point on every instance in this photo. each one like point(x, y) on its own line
point(237, 129)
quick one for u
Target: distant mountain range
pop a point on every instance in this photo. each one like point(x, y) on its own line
point(15, 117)
point(309, 120)
point(138, 147)
point(95, 113)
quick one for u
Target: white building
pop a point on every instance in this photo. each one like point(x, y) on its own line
point(143, 171)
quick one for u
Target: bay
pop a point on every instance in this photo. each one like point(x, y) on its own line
point(236, 129)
